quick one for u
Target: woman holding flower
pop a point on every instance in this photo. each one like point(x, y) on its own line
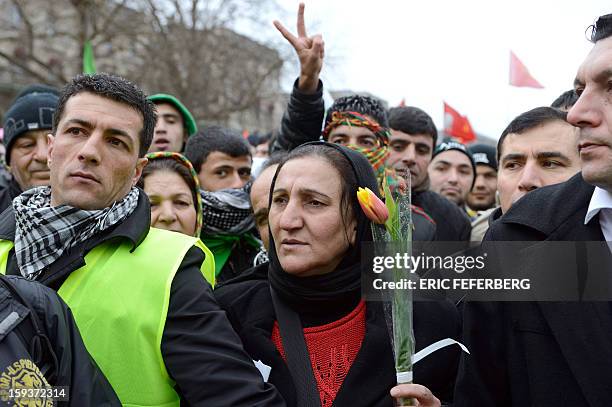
point(307, 320)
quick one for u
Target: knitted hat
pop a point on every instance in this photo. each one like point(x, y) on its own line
point(483, 154)
point(449, 144)
point(190, 123)
point(33, 111)
point(37, 88)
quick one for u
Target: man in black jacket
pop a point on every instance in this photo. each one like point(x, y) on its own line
point(555, 353)
point(138, 294)
point(411, 147)
point(32, 314)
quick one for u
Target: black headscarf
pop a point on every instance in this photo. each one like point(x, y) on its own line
point(324, 298)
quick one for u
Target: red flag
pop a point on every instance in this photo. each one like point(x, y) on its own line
point(457, 126)
point(519, 74)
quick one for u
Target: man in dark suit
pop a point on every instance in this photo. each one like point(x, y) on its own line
point(554, 353)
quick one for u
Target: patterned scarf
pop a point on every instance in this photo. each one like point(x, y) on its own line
point(181, 159)
point(43, 233)
point(227, 212)
point(357, 120)
point(375, 155)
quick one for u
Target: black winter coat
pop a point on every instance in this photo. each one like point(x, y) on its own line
point(452, 223)
point(8, 193)
point(540, 353)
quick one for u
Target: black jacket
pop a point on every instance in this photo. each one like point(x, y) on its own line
point(8, 193)
point(247, 301)
point(241, 259)
point(201, 351)
point(540, 353)
point(302, 122)
point(25, 308)
point(452, 223)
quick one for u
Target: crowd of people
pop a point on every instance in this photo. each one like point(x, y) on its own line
point(149, 262)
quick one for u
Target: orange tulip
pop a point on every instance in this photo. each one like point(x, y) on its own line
point(372, 206)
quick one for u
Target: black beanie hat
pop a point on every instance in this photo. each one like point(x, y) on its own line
point(452, 144)
point(33, 111)
point(484, 154)
point(37, 88)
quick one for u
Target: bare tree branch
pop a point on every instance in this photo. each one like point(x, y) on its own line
point(106, 24)
point(17, 62)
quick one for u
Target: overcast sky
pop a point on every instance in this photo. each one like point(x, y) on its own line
point(427, 51)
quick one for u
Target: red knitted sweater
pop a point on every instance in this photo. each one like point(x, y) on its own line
point(332, 348)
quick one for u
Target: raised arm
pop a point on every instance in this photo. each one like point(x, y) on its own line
point(303, 116)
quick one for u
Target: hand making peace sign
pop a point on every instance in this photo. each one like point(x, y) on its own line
point(310, 51)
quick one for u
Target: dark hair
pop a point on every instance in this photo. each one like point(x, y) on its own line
point(529, 120)
point(117, 89)
point(349, 206)
point(214, 138)
point(170, 164)
point(602, 28)
point(412, 120)
point(566, 100)
point(365, 105)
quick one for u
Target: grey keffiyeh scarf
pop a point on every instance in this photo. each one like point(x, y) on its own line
point(227, 212)
point(44, 233)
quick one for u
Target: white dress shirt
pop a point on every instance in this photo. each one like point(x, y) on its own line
point(601, 203)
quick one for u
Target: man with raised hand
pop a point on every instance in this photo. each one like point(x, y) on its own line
point(358, 121)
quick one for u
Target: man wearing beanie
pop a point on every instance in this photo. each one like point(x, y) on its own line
point(482, 196)
point(481, 201)
point(174, 125)
point(452, 171)
point(26, 125)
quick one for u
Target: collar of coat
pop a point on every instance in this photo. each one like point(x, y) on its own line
point(546, 208)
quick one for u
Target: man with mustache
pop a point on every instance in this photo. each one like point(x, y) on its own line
point(26, 125)
point(538, 148)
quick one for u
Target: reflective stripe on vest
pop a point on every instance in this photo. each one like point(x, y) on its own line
point(120, 302)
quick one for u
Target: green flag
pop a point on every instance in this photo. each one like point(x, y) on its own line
point(89, 64)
